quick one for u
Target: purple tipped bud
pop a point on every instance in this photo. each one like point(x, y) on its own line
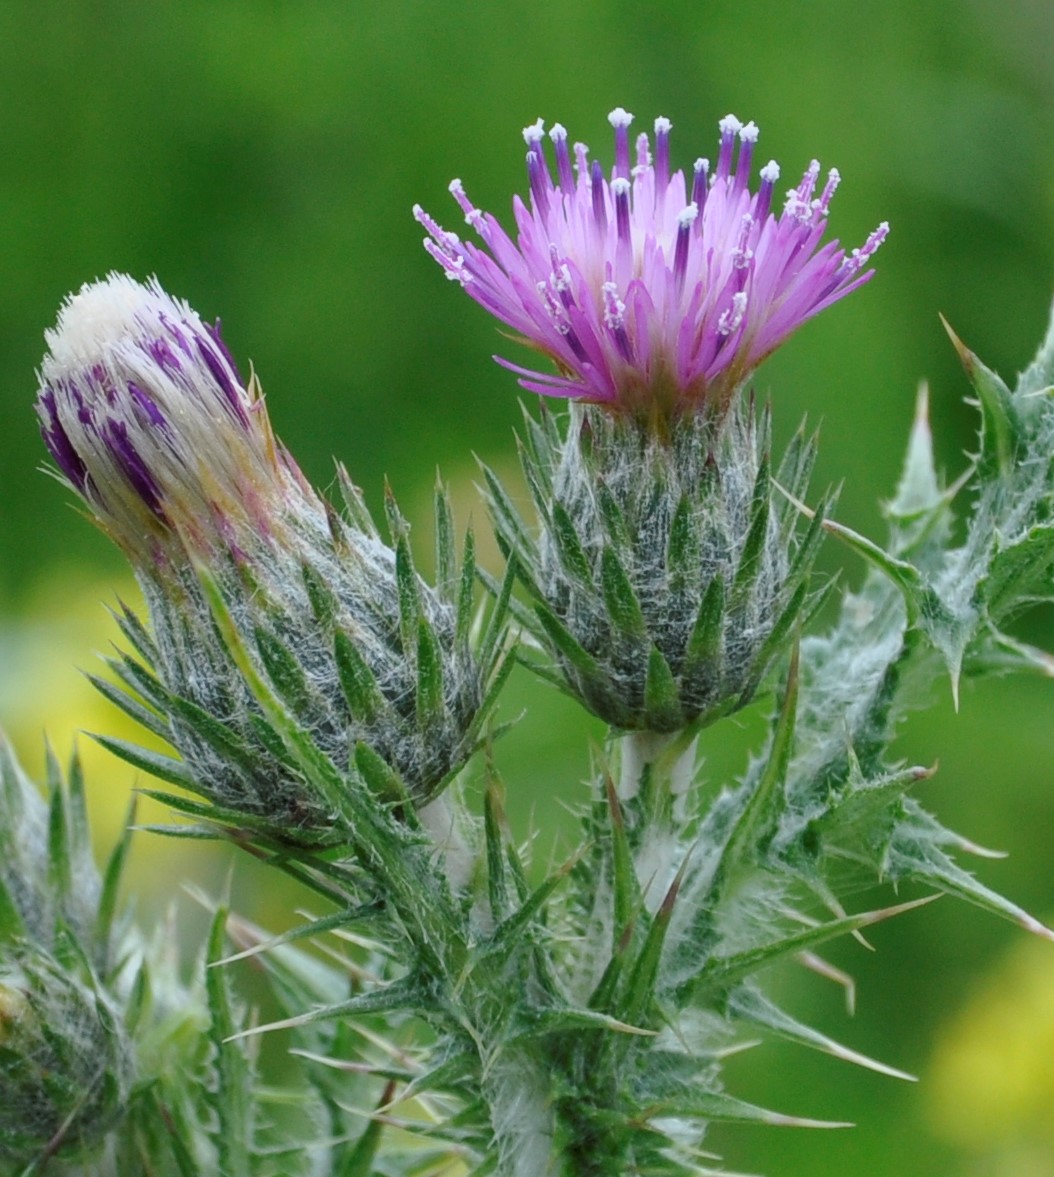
point(145, 414)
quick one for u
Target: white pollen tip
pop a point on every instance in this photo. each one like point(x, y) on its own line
point(455, 186)
point(687, 215)
point(749, 133)
point(559, 133)
point(620, 186)
point(770, 173)
point(663, 126)
point(99, 315)
point(534, 132)
point(620, 117)
point(701, 165)
point(730, 125)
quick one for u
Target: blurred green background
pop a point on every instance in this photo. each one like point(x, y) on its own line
point(262, 159)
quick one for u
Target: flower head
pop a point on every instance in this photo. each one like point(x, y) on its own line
point(147, 418)
point(652, 293)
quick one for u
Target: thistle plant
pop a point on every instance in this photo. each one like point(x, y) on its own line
point(453, 1006)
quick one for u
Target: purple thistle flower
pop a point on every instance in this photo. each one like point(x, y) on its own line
point(649, 297)
point(146, 417)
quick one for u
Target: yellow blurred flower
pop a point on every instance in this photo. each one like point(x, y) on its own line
point(44, 694)
point(991, 1085)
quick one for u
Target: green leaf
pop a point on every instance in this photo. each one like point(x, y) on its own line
point(719, 971)
point(1019, 570)
point(766, 798)
point(383, 781)
point(567, 646)
point(60, 872)
point(572, 555)
point(703, 655)
point(445, 556)
point(285, 672)
point(543, 1022)
point(918, 492)
point(466, 593)
point(1038, 377)
point(494, 832)
point(232, 1098)
point(114, 873)
point(145, 717)
point(507, 520)
point(640, 986)
point(661, 698)
point(495, 631)
point(407, 995)
point(914, 854)
point(512, 933)
point(430, 702)
point(409, 594)
point(621, 601)
point(12, 926)
point(748, 1004)
point(357, 680)
point(1001, 429)
point(165, 768)
point(324, 604)
point(718, 1106)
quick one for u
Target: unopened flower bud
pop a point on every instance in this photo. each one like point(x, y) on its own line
point(665, 578)
point(149, 421)
point(65, 1062)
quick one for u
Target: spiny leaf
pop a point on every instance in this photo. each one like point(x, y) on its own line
point(430, 704)
point(231, 1099)
point(512, 933)
point(357, 680)
point(445, 556)
point(144, 716)
point(284, 671)
point(407, 994)
point(748, 1004)
point(12, 926)
point(324, 605)
point(640, 986)
point(621, 601)
point(355, 503)
point(717, 1106)
point(165, 768)
point(722, 970)
point(914, 854)
point(566, 645)
point(466, 587)
point(763, 804)
point(506, 518)
point(702, 657)
point(409, 593)
point(572, 555)
point(661, 697)
point(543, 1022)
point(1001, 430)
point(104, 920)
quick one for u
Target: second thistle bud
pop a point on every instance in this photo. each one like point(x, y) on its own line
point(148, 419)
point(665, 576)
